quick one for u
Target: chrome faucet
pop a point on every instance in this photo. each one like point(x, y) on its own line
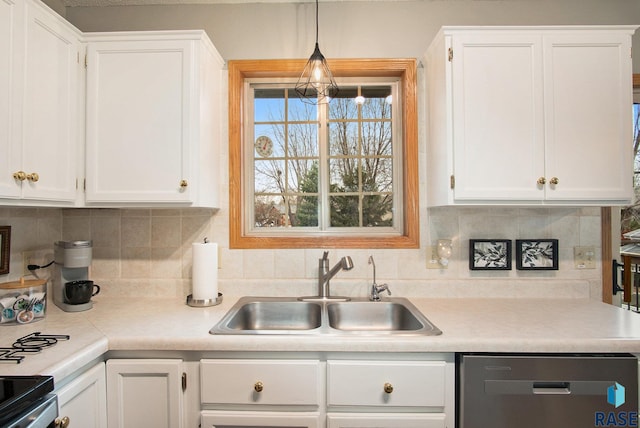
point(375, 288)
point(324, 276)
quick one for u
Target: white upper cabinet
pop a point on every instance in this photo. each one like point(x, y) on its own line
point(39, 66)
point(11, 14)
point(530, 116)
point(153, 119)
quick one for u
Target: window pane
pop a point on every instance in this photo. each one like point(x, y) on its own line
point(377, 102)
point(276, 135)
point(300, 111)
point(303, 140)
point(268, 105)
point(267, 212)
point(378, 175)
point(377, 138)
point(344, 175)
point(307, 211)
point(343, 138)
point(303, 175)
point(344, 106)
point(269, 176)
point(377, 211)
point(636, 143)
point(344, 211)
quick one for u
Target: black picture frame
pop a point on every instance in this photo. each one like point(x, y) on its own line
point(490, 254)
point(537, 254)
point(5, 249)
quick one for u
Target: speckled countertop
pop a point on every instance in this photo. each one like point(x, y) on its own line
point(468, 325)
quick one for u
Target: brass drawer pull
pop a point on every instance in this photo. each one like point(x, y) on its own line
point(388, 388)
point(258, 387)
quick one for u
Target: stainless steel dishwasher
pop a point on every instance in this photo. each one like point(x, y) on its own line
point(546, 391)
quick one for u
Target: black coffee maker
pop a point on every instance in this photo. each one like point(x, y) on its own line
point(72, 289)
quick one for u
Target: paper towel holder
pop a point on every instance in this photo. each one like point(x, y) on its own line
point(203, 303)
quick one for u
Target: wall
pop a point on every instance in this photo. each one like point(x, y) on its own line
point(148, 252)
point(356, 29)
point(142, 252)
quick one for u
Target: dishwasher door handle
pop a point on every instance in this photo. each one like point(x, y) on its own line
point(551, 388)
point(541, 387)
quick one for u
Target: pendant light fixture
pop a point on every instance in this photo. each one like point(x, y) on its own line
point(316, 83)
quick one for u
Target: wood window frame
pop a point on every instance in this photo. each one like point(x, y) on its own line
point(406, 69)
point(606, 236)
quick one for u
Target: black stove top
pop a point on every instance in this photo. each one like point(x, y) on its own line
point(19, 393)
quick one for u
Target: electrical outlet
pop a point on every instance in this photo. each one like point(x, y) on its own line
point(584, 257)
point(28, 258)
point(432, 259)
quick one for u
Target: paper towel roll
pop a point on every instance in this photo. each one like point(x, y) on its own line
point(205, 271)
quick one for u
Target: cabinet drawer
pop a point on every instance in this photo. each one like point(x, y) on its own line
point(376, 383)
point(386, 420)
point(290, 382)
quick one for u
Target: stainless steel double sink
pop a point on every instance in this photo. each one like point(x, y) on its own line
point(275, 315)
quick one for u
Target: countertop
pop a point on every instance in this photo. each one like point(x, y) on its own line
point(468, 325)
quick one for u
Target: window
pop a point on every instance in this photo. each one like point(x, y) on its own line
point(341, 175)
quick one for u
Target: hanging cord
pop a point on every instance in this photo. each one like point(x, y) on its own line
point(316, 22)
point(34, 267)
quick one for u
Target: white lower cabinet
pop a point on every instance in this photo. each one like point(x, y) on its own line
point(333, 393)
point(145, 393)
point(82, 402)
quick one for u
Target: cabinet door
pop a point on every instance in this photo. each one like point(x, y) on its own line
point(84, 400)
point(498, 128)
point(144, 393)
point(10, 88)
point(50, 123)
point(251, 419)
point(386, 420)
point(138, 120)
point(588, 100)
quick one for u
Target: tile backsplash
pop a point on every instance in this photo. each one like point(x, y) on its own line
point(147, 252)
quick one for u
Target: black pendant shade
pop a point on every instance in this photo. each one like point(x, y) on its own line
point(316, 83)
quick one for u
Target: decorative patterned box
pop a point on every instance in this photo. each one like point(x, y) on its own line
point(23, 301)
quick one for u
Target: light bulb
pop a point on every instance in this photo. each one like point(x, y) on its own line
point(444, 250)
point(318, 74)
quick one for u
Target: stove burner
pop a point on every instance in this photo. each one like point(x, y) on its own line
point(39, 341)
point(30, 344)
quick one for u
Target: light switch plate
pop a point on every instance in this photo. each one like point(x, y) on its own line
point(432, 259)
point(584, 257)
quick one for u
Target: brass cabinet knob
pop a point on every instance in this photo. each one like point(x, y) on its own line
point(259, 386)
point(542, 180)
point(554, 180)
point(388, 388)
point(20, 175)
point(62, 422)
point(33, 177)
point(183, 183)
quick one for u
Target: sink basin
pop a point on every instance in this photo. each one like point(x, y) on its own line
point(267, 315)
point(379, 316)
point(273, 315)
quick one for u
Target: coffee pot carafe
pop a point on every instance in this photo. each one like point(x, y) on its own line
point(72, 289)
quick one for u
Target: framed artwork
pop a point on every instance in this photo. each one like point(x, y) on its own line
point(5, 249)
point(537, 254)
point(490, 254)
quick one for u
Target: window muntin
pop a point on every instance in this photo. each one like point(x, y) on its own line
point(329, 168)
